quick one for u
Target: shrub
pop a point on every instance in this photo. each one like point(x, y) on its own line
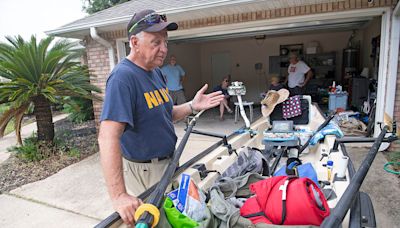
point(38, 74)
point(29, 151)
point(33, 150)
point(73, 152)
point(80, 109)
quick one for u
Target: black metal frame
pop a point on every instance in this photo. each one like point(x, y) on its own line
point(216, 135)
point(338, 141)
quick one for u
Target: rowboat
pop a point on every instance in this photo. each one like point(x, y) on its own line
point(351, 208)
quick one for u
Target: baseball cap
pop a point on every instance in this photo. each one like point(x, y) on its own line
point(149, 21)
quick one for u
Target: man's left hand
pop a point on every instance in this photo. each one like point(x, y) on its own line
point(302, 85)
point(206, 101)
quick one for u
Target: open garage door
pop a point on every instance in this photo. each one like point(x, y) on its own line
point(244, 42)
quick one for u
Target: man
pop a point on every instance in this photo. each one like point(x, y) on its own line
point(175, 76)
point(137, 136)
point(296, 79)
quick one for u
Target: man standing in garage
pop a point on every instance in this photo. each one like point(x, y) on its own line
point(175, 76)
point(296, 78)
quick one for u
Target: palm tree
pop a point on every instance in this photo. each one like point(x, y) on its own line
point(38, 75)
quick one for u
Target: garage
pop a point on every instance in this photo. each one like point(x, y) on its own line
point(254, 58)
point(247, 40)
point(341, 48)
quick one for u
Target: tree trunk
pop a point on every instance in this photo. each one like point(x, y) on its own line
point(44, 119)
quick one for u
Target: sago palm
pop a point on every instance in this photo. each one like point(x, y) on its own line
point(38, 75)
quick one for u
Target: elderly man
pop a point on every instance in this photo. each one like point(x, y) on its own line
point(137, 136)
point(296, 79)
point(175, 76)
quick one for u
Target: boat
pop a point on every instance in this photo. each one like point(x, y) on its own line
point(351, 208)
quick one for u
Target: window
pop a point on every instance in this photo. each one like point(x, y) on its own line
point(123, 48)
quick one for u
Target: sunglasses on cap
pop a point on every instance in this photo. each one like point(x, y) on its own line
point(150, 19)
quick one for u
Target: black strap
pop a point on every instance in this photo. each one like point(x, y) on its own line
point(290, 178)
point(283, 211)
point(265, 166)
point(261, 213)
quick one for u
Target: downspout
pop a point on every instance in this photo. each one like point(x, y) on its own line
point(95, 36)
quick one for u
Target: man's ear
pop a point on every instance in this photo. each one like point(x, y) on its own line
point(133, 43)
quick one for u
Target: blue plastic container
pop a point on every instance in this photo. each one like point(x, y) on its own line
point(337, 100)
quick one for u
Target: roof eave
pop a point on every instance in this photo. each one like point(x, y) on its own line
point(62, 31)
point(85, 27)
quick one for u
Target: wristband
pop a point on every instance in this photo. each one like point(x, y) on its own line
point(191, 107)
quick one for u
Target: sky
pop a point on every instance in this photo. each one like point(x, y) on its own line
point(27, 17)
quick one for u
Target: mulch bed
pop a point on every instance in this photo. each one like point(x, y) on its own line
point(14, 172)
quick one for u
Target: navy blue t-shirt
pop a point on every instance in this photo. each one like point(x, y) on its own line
point(140, 99)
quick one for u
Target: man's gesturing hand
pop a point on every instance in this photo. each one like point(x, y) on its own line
point(126, 206)
point(205, 101)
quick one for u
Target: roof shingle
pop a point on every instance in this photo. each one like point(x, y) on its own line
point(128, 8)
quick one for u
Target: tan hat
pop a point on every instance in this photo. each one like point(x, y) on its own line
point(272, 98)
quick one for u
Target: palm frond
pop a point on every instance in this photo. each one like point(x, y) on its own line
point(8, 115)
point(36, 68)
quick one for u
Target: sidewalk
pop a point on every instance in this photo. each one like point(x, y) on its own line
point(26, 131)
point(19, 211)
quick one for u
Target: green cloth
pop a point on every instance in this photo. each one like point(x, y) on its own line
point(169, 210)
point(175, 217)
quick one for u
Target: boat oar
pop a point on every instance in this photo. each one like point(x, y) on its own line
point(148, 215)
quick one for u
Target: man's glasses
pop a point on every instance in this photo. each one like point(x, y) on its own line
point(150, 19)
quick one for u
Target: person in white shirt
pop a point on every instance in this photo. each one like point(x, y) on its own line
point(296, 78)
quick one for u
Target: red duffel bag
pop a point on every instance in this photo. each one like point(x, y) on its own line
point(284, 200)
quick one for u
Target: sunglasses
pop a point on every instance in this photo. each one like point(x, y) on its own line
point(150, 19)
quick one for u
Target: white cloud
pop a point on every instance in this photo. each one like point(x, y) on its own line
point(27, 17)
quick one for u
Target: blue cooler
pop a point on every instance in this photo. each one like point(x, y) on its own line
point(337, 100)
